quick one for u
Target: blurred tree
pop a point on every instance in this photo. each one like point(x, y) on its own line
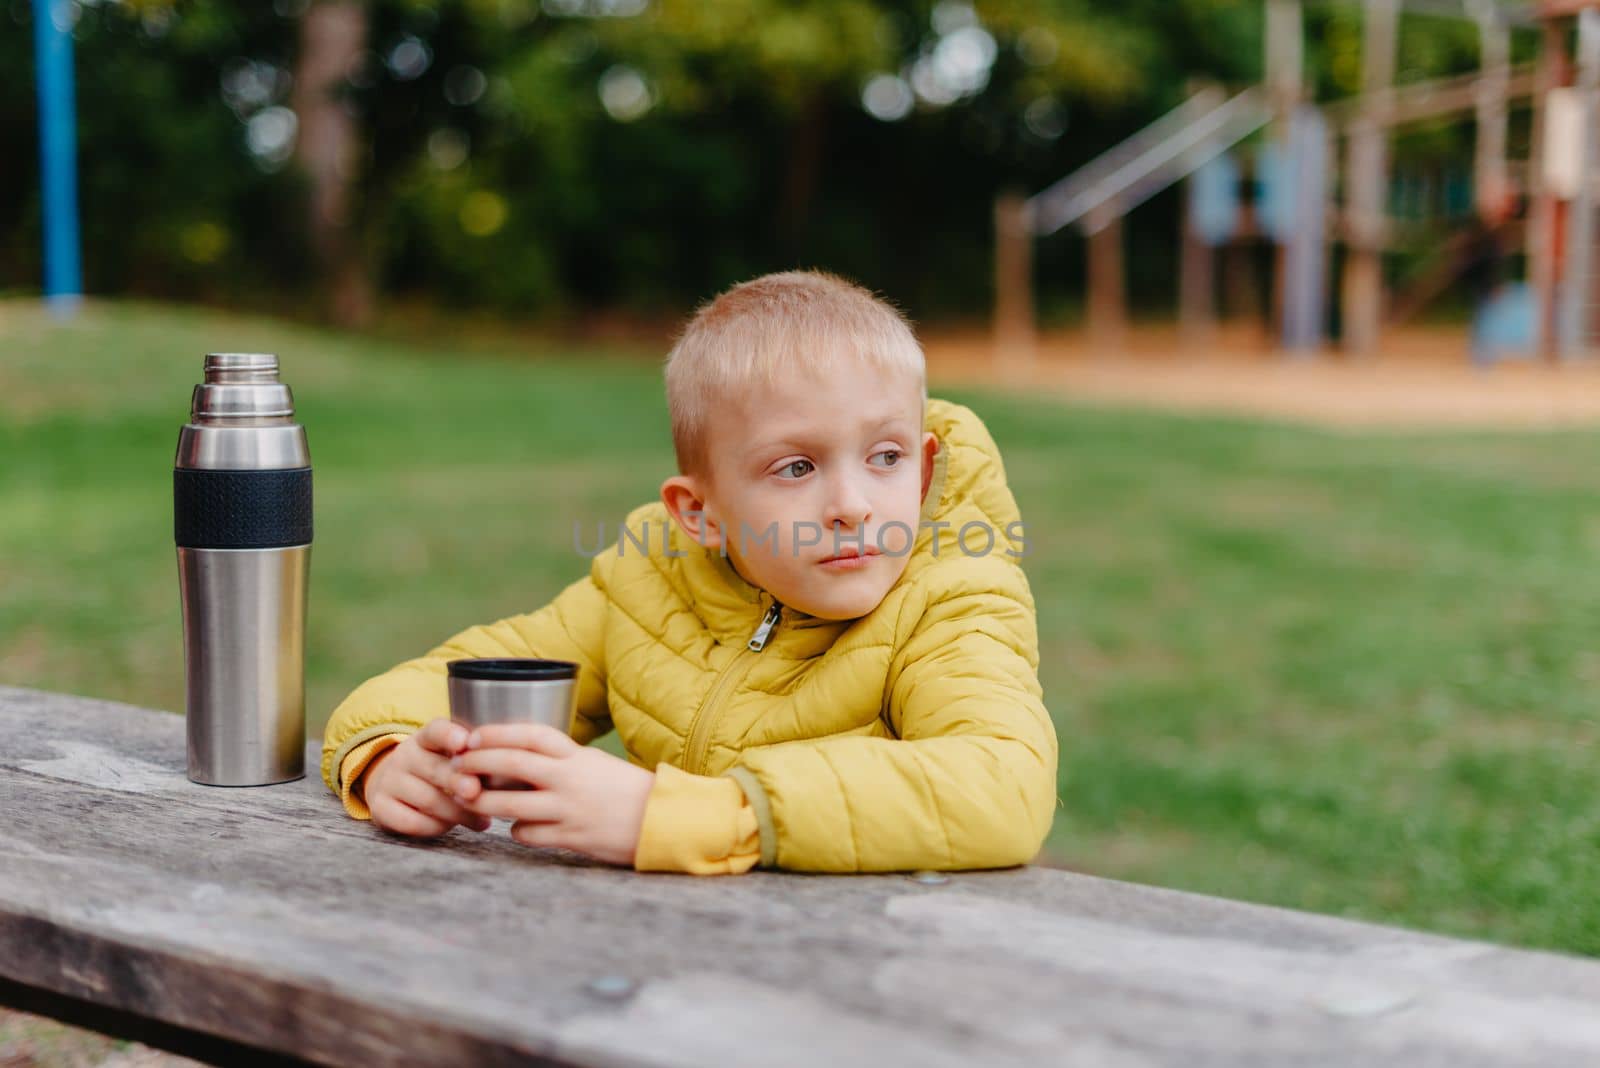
point(333, 36)
point(804, 63)
point(171, 202)
point(545, 156)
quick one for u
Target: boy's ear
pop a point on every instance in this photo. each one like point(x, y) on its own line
point(686, 503)
point(930, 449)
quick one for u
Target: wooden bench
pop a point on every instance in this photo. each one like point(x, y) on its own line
point(236, 924)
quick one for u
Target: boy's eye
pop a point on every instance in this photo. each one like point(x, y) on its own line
point(791, 465)
point(893, 454)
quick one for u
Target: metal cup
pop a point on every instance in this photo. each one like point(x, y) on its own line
point(512, 691)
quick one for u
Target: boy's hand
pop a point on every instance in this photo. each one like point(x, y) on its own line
point(583, 799)
point(409, 788)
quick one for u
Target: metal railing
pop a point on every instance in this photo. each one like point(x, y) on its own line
point(1429, 99)
point(1166, 151)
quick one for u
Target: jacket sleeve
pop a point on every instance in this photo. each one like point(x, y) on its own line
point(697, 824)
point(408, 695)
point(968, 781)
point(352, 790)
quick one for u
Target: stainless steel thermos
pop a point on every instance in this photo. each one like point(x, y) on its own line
point(242, 513)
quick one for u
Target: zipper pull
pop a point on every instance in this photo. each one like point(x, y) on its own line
point(770, 620)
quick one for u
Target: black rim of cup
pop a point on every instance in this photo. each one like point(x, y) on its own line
point(513, 669)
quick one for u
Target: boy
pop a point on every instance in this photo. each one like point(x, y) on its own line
point(818, 648)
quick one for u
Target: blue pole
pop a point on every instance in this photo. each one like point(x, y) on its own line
point(58, 170)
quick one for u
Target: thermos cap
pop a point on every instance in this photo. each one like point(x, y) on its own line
point(218, 362)
point(242, 418)
point(512, 669)
point(241, 385)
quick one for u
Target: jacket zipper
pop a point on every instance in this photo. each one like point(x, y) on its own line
point(696, 750)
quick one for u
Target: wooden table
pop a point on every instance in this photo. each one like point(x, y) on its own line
point(262, 922)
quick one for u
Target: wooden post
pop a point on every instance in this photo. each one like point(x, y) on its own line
point(1489, 164)
point(1285, 59)
point(1197, 317)
point(1543, 241)
point(1285, 68)
point(1108, 312)
point(1367, 182)
point(1575, 319)
point(1305, 278)
point(1013, 279)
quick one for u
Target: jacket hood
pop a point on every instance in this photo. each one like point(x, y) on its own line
point(968, 486)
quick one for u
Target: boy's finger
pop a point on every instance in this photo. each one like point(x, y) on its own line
point(428, 800)
point(536, 737)
point(437, 771)
point(535, 806)
point(542, 835)
point(400, 818)
point(442, 736)
point(532, 768)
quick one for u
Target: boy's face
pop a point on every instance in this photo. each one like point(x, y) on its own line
point(810, 470)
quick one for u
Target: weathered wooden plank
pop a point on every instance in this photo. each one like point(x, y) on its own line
point(1014, 321)
point(267, 917)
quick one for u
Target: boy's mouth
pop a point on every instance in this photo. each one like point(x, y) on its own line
point(849, 560)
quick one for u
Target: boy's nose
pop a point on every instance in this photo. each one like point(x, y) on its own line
point(848, 506)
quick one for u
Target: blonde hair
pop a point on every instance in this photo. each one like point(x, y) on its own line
point(808, 321)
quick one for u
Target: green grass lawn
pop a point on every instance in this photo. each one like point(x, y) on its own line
point(1348, 673)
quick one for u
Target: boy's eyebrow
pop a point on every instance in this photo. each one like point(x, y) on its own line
point(803, 437)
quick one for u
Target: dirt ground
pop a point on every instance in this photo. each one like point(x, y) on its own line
point(33, 1042)
point(1421, 377)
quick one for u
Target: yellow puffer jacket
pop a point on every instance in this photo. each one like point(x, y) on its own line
point(913, 737)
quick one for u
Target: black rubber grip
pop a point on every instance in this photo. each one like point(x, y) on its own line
point(241, 509)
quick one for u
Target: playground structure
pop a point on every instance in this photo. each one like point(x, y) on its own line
point(1297, 169)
